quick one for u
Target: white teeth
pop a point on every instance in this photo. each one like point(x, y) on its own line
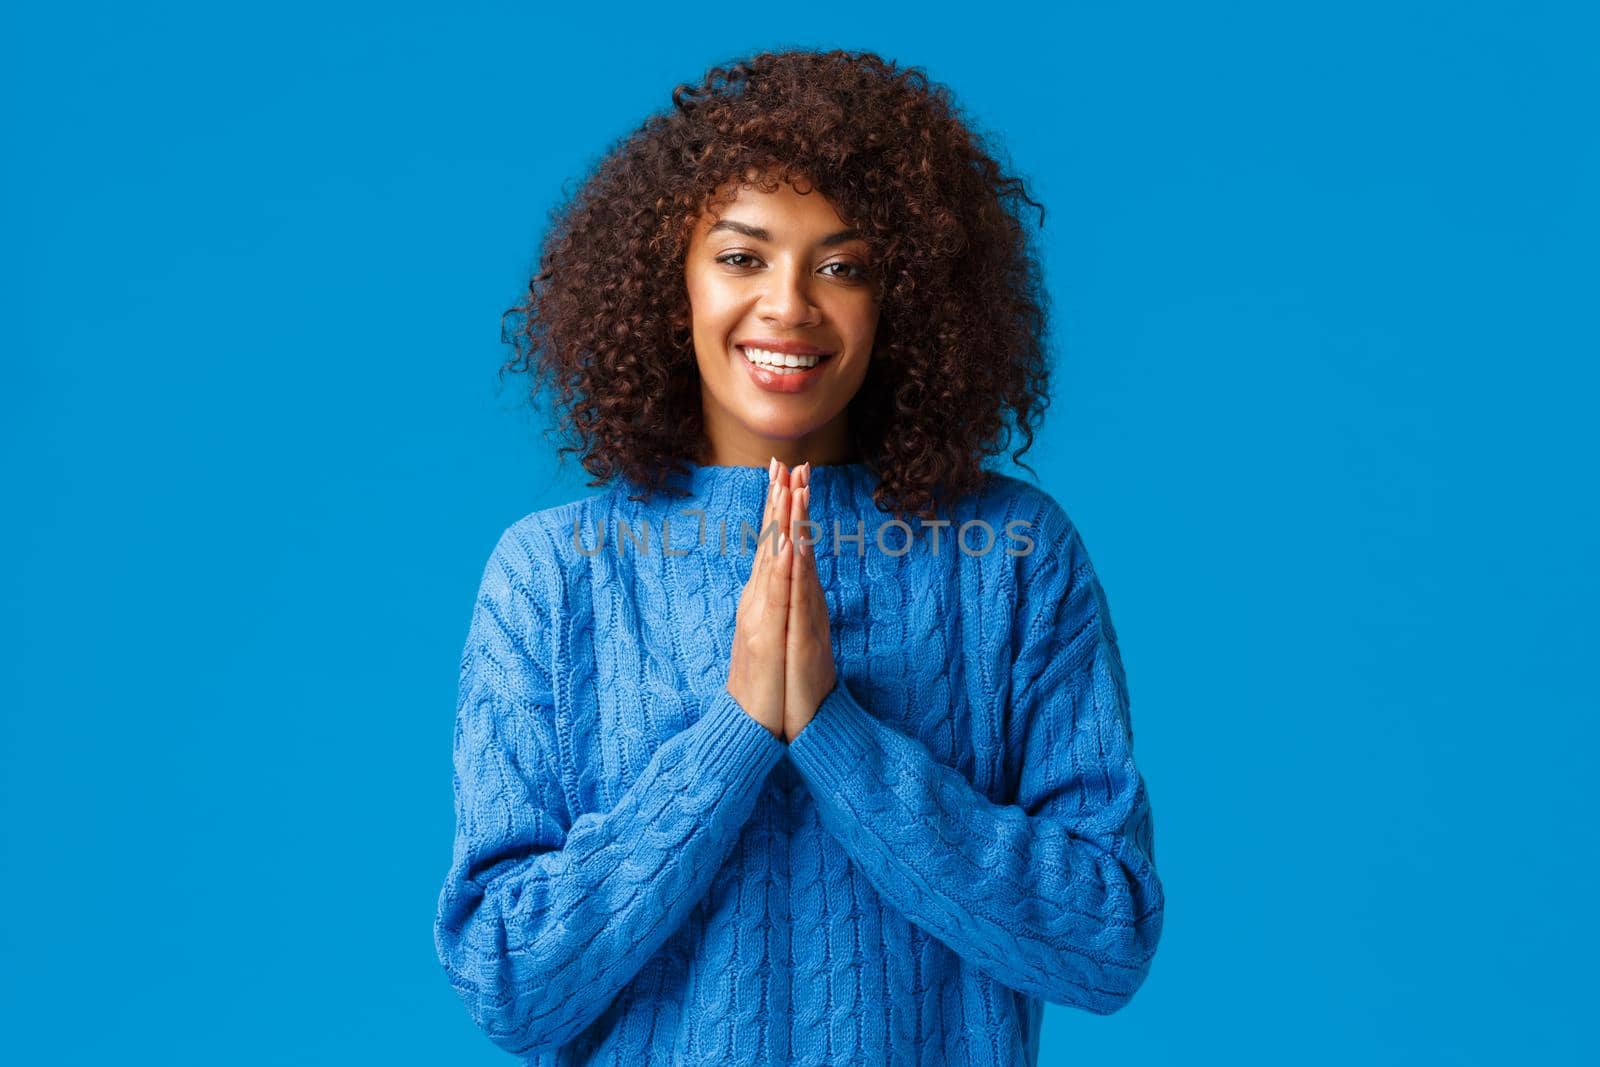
point(780, 359)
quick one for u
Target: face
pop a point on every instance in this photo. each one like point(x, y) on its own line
point(779, 278)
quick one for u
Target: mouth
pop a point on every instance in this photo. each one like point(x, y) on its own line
point(761, 366)
point(780, 363)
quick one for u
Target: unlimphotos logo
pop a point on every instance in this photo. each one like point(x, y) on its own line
point(893, 537)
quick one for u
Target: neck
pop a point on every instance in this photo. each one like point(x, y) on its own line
point(830, 445)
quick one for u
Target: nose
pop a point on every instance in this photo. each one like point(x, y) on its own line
point(787, 299)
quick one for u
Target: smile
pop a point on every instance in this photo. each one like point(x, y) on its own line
point(780, 372)
point(780, 362)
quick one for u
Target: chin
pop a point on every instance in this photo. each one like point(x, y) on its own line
point(771, 432)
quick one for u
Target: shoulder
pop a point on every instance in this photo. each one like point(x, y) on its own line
point(532, 554)
point(1022, 510)
point(1061, 583)
point(1057, 576)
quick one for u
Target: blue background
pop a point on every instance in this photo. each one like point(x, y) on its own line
point(1324, 286)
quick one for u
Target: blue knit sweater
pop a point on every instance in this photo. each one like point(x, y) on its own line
point(644, 874)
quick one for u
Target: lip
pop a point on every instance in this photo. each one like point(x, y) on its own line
point(773, 382)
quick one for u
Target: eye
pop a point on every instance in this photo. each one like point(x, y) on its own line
point(858, 274)
point(731, 256)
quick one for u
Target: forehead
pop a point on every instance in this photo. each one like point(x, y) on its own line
point(786, 213)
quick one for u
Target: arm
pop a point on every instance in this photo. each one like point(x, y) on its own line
point(544, 918)
point(1055, 895)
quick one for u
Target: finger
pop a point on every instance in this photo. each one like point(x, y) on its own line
point(811, 553)
point(757, 564)
point(774, 480)
point(771, 518)
point(816, 602)
point(786, 514)
point(805, 591)
point(781, 536)
point(768, 514)
point(799, 603)
point(779, 576)
point(807, 531)
point(780, 506)
point(802, 510)
point(797, 477)
point(798, 517)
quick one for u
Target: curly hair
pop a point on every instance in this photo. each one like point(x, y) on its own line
point(959, 346)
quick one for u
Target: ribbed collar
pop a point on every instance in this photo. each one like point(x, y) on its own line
point(833, 486)
point(839, 491)
point(702, 477)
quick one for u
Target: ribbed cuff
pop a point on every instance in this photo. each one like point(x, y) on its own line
point(835, 745)
point(730, 746)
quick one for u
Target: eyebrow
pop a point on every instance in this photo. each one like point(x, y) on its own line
point(759, 234)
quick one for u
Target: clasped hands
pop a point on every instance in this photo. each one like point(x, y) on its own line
point(782, 662)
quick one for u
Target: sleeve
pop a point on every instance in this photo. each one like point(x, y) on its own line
point(1055, 895)
point(543, 918)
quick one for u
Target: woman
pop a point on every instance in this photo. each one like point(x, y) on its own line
point(750, 767)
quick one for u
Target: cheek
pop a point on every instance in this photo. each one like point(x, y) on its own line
point(863, 322)
point(712, 319)
point(715, 307)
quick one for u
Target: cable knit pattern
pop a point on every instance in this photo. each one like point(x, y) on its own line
point(644, 874)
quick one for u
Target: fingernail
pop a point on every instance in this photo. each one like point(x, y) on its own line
point(772, 470)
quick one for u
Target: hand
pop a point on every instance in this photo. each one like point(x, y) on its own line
point(756, 667)
point(809, 674)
